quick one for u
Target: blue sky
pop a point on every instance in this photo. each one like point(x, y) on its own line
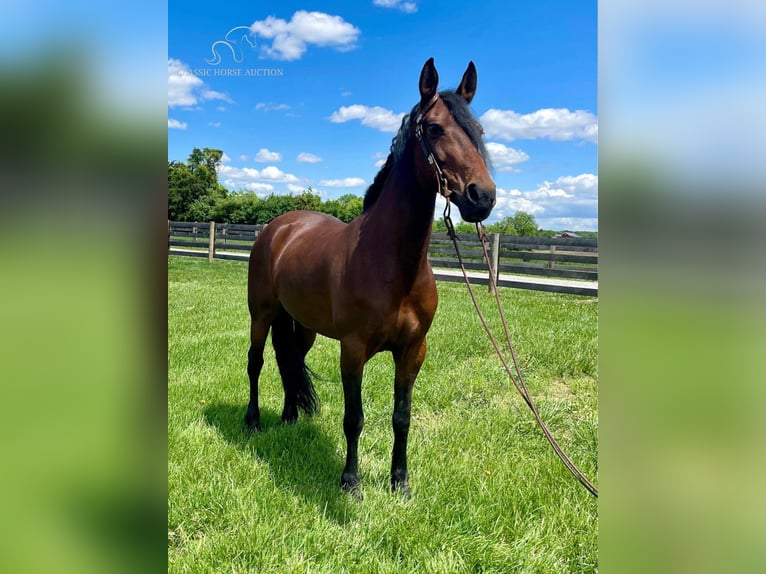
point(312, 93)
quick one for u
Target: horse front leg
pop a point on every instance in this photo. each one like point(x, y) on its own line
point(408, 363)
point(352, 360)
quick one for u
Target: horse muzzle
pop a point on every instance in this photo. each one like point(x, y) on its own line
point(475, 203)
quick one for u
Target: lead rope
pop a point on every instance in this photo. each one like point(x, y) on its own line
point(520, 384)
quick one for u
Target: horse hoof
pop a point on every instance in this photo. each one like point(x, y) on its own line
point(402, 488)
point(351, 485)
point(354, 492)
point(252, 424)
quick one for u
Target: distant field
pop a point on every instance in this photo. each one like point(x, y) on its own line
point(489, 494)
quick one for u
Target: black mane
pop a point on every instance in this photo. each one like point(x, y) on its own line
point(376, 186)
point(464, 118)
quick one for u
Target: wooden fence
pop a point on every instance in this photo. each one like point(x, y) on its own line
point(556, 264)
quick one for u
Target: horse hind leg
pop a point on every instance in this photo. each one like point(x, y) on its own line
point(260, 324)
point(292, 342)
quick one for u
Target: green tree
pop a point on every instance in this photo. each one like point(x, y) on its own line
point(524, 223)
point(352, 206)
point(503, 227)
point(346, 208)
point(439, 226)
point(193, 187)
point(463, 227)
point(240, 207)
point(273, 206)
point(308, 200)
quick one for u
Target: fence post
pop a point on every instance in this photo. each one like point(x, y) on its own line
point(211, 243)
point(553, 252)
point(494, 259)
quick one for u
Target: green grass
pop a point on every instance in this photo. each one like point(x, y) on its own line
point(489, 494)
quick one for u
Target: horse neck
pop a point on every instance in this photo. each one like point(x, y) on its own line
point(403, 214)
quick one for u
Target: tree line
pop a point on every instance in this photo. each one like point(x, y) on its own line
point(194, 194)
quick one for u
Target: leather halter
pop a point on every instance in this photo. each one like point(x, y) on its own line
point(428, 151)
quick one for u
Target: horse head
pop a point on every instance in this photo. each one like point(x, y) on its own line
point(451, 142)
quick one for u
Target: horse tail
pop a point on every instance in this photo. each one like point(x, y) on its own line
point(291, 343)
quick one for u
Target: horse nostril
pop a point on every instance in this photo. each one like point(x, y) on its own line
point(472, 191)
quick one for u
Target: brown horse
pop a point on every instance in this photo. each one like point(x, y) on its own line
point(368, 283)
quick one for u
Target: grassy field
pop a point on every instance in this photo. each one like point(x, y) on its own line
point(489, 494)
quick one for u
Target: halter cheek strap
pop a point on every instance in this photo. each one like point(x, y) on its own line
point(428, 152)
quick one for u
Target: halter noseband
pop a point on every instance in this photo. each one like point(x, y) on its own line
point(428, 152)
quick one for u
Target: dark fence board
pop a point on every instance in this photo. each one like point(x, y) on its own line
point(231, 247)
point(463, 251)
point(239, 226)
point(542, 256)
point(183, 225)
point(546, 242)
point(233, 256)
point(183, 243)
point(231, 237)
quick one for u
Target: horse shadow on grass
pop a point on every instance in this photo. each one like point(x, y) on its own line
point(302, 457)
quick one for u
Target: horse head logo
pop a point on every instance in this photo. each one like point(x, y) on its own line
point(235, 39)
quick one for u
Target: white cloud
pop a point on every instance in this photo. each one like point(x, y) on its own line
point(374, 117)
point(305, 157)
point(380, 159)
point(176, 124)
point(185, 89)
point(291, 39)
point(408, 7)
point(266, 155)
point(253, 179)
point(345, 182)
point(243, 157)
point(557, 124)
point(505, 158)
point(273, 173)
point(225, 158)
point(256, 186)
point(214, 124)
point(513, 200)
point(583, 185)
point(270, 106)
point(181, 84)
point(293, 188)
point(569, 202)
point(208, 94)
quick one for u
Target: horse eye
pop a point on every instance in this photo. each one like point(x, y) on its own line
point(435, 130)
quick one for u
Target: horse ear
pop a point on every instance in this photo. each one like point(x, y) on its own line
point(429, 80)
point(467, 87)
